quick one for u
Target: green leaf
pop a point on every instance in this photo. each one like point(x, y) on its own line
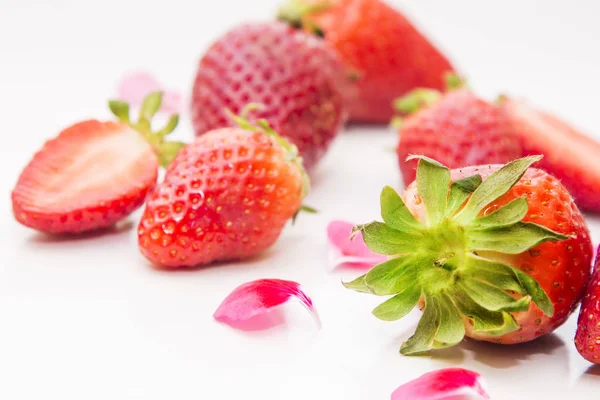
point(382, 239)
point(398, 306)
point(416, 100)
point(306, 209)
point(454, 81)
point(537, 293)
point(397, 123)
point(496, 274)
point(359, 285)
point(433, 182)
point(120, 109)
point(510, 214)
point(393, 276)
point(395, 213)
point(423, 339)
point(495, 323)
point(494, 187)
point(507, 278)
point(513, 239)
point(452, 328)
point(169, 127)
point(460, 191)
point(150, 105)
point(492, 298)
point(167, 151)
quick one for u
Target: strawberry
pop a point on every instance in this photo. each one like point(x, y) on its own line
point(384, 53)
point(296, 78)
point(226, 196)
point(93, 174)
point(587, 338)
point(456, 128)
point(569, 154)
point(496, 253)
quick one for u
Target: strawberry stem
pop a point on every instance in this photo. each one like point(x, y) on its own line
point(165, 150)
point(296, 13)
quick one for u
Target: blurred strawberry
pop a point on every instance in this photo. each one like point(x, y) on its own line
point(296, 78)
point(456, 128)
point(569, 154)
point(587, 338)
point(384, 53)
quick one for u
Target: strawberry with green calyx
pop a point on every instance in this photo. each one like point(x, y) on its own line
point(385, 55)
point(497, 254)
point(94, 174)
point(226, 196)
point(164, 150)
point(456, 128)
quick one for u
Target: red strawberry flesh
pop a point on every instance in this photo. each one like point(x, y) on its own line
point(89, 177)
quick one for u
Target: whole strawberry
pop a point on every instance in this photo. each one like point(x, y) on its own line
point(384, 53)
point(296, 78)
point(496, 253)
point(226, 196)
point(569, 154)
point(456, 128)
point(587, 338)
point(93, 174)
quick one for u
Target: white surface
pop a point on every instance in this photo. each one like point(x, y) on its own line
point(90, 319)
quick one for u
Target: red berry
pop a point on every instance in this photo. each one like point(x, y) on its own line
point(293, 75)
point(495, 253)
point(569, 154)
point(587, 338)
point(561, 268)
point(458, 130)
point(384, 53)
point(226, 196)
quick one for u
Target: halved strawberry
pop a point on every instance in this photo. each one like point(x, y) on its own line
point(569, 154)
point(93, 173)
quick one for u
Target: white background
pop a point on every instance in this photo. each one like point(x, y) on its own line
point(90, 319)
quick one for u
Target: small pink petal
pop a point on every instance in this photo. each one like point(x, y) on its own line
point(444, 384)
point(349, 251)
point(253, 299)
point(135, 86)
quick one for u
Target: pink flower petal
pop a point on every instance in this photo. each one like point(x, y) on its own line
point(444, 384)
point(252, 300)
point(353, 252)
point(135, 86)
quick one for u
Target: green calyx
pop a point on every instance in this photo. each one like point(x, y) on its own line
point(449, 260)
point(297, 14)
point(420, 98)
point(262, 125)
point(165, 150)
